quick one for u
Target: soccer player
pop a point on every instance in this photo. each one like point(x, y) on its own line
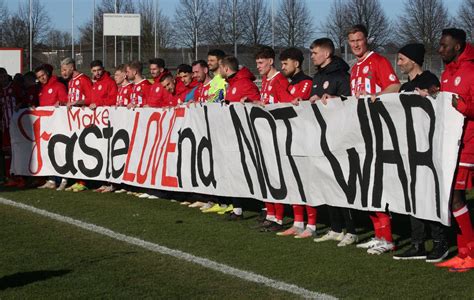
point(185, 82)
point(274, 89)
point(157, 71)
point(240, 84)
point(218, 84)
point(171, 97)
point(104, 88)
point(79, 85)
point(141, 86)
point(332, 80)
point(52, 92)
point(79, 94)
point(124, 86)
point(201, 75)
point(299, 89)
point(372, 75)
point(458, 78)
point(410, 60)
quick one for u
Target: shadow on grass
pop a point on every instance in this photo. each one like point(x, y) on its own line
point(25, 278)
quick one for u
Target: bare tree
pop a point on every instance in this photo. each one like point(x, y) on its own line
point(336, 23)
point(293, 23)
point(163, 27)
point(218, 24)
point(256, 22)
point(465, 18)
point(190, 17)
point(370, 14)
point(422, 22)
point(16, 28)
point(3, 19)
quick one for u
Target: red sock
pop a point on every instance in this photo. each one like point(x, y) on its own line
point(462, 246)
point(279, 211)
point(270, 209)
point(385, 226)
point(466, 237)
point(312, 214)
point(298, 212)
point(376, 222)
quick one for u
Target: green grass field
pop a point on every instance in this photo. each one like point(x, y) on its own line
point(44, 258)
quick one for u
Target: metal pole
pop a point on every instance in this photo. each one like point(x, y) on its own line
point(234, 25)
point(115, 40)
point(93, 30)
point(131, 48)
point(72, 29)
point(139, 47)
point(31, 35)
point(154, 22)
point(196, 29)
point(122, 49)
point(273, 24)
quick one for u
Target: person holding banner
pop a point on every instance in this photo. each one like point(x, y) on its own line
point(299, 89)
point(141, 86)
point(125, 87)
point(201, 75)
point(332, 80)
point(372, 75)
point(218, 84)
point(104, 88)
point(458, 78)
point(79, 94)
point(240, 84)
point(274, 89)
point(158, 72)
point(410, 60)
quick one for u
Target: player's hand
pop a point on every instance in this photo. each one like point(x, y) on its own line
point(56, 104)
point(325, 97)
point(243, 100)
point(296, 101)
point(146, 105)
point(93, 106)
point(131, 106)
point(314, 98)
point(455, 100)
point(423, 92)
point(373, 98)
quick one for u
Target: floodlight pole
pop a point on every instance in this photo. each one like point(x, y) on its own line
point(273, 24)
point(31, 35)
point(72, 29)
point(196, 29)
point(115, 40)
point(93, 30)
point(154, 21)
point(234, 25)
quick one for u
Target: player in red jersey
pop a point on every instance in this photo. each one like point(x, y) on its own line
point(171, 96)
point(124, 86)
point(52, 92)
point(141, 86)
point(458, 78)
point(184, 80)
point(201, 75)
point(79, 85)
point(372, 75)
point(104, 89)
point(157, 71)
point(274, 88)
point(299, 89)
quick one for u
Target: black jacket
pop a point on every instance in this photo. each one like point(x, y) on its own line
point(425, 80)
point(332, 79)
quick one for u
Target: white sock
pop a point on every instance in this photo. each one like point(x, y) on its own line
point(312, 227)
point(298, 224)
point(223, 205)
point(237, 211)
point(271, 218)
point(280, 222)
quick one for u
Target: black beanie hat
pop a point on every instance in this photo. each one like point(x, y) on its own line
point(415, 52)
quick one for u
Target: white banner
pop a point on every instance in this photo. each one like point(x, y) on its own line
point(400, 151)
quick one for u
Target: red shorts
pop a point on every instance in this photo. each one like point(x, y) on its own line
point(464, 178)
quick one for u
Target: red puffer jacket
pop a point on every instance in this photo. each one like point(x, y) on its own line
point(459, 78)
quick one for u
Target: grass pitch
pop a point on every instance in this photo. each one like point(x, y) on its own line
point(43, 258)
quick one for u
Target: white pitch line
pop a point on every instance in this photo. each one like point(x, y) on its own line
point(207, 263)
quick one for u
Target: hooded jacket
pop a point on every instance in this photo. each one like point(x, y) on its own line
point(458, 78)
point(104, 91)
point(52, 92)
point(332, 79)
point(241, 84)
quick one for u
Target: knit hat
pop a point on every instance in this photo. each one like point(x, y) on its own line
point(415, 52)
